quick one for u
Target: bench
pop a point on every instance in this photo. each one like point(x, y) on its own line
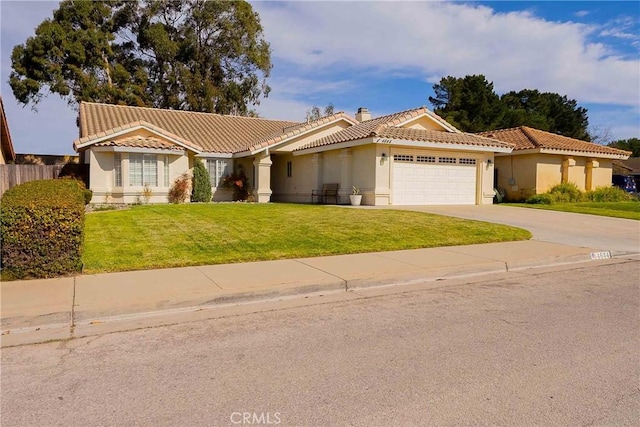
point(329, 191)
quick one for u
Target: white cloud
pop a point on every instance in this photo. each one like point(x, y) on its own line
point(514, 50)
point(582, 13)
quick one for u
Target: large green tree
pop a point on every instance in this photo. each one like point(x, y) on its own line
point(631, 144)
point(545, 111)
point(471, 104)
point(187, 54)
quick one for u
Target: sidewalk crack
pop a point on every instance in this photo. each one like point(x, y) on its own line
point(72, 326)
point(346, 288)
point(209, 277)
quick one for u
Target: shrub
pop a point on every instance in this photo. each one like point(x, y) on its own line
point(201, 188)
point(238, 183)
point(567, 192)
point(608, 194)
point(539, 199)
point(180, 189)
point(41, 229)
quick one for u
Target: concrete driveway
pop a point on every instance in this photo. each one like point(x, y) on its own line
point(620, 236)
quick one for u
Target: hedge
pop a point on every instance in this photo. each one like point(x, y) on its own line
point(42, 229)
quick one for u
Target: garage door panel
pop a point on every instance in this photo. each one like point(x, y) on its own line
point(432, 184)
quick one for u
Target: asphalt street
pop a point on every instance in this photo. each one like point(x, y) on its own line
point(537, 347)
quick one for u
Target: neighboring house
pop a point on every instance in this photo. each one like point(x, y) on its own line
point(6, 144)
point(411, 157)
point(542, 159)
point(628, 167)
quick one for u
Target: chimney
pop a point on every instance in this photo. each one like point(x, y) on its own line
point(363, 114)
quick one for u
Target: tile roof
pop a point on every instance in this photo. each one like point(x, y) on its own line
point(212, 132)
point(386, 127)
point(526, 138)
point(298, 129)
point(138, 141)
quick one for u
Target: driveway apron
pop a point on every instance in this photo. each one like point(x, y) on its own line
point(620, 236)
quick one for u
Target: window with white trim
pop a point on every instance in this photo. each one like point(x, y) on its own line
point(117, 170)
point(425, 159)
point(402, 158)
point(450, 160)
point(143, 170)
point(217, 168)
point(465, 161)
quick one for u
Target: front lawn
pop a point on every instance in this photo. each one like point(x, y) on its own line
point(628, 210)
point(161, 236)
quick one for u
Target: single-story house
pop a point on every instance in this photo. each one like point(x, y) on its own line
point(7, 153)
point(407, 158)
point(542, 159)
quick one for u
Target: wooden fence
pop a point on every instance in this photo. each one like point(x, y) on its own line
point(12, 175)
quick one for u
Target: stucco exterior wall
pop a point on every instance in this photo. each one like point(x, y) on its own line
point(298, 187)
point(602, 175)
point(522, 176)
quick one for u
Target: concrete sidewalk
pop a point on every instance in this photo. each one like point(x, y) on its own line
point(38, 310)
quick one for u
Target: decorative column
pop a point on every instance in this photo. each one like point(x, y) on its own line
point(591, 165)
point(346, 156)
point(262, 191)
point(566, 164)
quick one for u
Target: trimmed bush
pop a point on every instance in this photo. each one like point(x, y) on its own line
point(201, 187)
point(608, 194)
point(539, 199)
point(567, 192)
point(41, 229)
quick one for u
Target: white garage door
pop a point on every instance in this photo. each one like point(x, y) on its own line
point(433, 180)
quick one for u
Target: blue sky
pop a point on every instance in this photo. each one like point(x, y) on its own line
point(387, 55)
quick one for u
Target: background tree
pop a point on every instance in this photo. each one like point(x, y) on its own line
point(191, 54)
point(201, 183)
point(314, 113)
point(545, 111)
point(632, 144)
point(471, 104)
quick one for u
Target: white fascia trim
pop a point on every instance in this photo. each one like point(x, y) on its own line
point(297, 135)
point(569, 153)
point(215, 155)
point(129, 130)
point(138, 150)
point(438, 145)
point(338, 146)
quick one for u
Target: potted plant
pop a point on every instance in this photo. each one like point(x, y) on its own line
point(356, 197)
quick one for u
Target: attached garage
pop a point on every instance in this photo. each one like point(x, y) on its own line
point(433, 180)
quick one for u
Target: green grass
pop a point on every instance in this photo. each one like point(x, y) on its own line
point(161, 236)
point(628, 210)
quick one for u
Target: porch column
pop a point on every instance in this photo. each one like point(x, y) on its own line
point(316, 171)
point(567, 162)
point(591, 165)
point(345, 173)
point(262, 191)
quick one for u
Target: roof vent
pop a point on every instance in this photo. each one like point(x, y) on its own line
point(363, 114)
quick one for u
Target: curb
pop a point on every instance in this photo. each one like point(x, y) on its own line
point(83, 325)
